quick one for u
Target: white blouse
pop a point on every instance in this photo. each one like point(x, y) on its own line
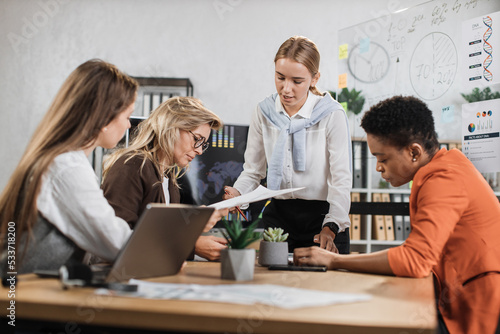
point(328, 160)
point(70, 199)
point(165, 190)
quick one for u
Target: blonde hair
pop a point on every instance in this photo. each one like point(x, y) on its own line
point(89, 99)
point(157, 135)
point(303, 51)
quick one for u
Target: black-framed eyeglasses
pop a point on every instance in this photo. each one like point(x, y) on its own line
point(200, 142)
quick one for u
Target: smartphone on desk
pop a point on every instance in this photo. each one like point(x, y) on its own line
point(290, 267)
point(46, 273)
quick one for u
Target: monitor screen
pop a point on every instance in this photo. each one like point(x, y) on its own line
point(220, 165)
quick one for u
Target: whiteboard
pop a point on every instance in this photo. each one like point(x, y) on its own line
point(418, 51)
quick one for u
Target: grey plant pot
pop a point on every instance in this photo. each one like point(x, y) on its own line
point(237, 264)
point(273, 253)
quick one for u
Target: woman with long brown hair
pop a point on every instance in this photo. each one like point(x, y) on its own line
point(53, 201)
point(305, 138)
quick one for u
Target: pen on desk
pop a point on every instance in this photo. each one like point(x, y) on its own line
point(237, 207)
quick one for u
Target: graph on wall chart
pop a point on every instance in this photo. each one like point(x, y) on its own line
point(420, 51)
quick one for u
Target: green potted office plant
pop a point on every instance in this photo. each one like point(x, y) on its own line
point(353, 99)
point(480, 95)
point(273, 248)
point(237, 261)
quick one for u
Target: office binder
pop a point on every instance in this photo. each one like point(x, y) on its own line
point(388, 222)
point(146, 109)
point(359, 167)
point(378, 221)
point(355, 229)
point(155, 101)
point(350, 230)
point(406, 220)
point(398, 220)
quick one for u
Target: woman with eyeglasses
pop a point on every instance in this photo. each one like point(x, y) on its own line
point(146, 171)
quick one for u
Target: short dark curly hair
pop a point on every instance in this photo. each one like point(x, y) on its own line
point(400, 121)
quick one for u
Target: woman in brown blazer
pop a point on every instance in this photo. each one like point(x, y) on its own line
point(146, 171)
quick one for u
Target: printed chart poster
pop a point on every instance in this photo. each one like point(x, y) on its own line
point(480, 132)
point(481, 36)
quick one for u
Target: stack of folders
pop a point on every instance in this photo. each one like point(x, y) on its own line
point(378, 226)
point(388, 222)
point(401, 223)
point(383, 225)
point(355, 229)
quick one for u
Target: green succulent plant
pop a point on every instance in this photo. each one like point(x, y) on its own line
point(274, 235)
point(239, 238)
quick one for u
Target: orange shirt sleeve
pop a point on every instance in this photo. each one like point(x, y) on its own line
point(438, 202)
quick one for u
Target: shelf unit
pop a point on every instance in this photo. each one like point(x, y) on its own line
point(367, 181)
point(155, 90)
point(151, 93)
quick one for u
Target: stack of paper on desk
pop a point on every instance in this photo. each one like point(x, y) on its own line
point(258, 194)
point(268, 294)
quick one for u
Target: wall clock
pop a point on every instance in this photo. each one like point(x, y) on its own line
point(369, 64)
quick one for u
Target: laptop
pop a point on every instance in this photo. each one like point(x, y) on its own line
point(162, 240)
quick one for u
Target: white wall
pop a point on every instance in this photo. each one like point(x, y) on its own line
point(226, 47)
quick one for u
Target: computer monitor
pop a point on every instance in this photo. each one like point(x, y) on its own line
point(220, 165)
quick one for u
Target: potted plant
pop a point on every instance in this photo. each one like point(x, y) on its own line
point(273, 248)
point(353, 98)
point(237, 261)
point(478, 95)
point(353, 102)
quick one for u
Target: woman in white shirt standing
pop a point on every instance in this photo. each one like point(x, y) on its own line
point(53, 200)
point(304, 135)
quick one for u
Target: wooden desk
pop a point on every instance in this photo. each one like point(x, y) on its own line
point(399, 305)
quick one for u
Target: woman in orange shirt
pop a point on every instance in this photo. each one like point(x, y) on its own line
point(455, 219)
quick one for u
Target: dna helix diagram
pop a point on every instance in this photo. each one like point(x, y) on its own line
point(487, 48)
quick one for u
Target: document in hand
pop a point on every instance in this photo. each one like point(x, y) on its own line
point(258, 194)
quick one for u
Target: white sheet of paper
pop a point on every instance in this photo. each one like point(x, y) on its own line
point(268, 294)
point(258, 194)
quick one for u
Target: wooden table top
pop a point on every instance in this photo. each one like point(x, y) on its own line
point(398, 304)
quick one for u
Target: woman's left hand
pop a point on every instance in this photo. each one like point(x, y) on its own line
point(325, 240)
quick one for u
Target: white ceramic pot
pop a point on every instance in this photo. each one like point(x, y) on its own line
point(237, 264)
point(273, 253)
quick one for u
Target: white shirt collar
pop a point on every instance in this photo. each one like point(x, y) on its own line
point(307, 108)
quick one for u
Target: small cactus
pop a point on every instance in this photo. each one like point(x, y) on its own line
point(275, 235)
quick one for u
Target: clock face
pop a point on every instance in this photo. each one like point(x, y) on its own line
point(368, 65)
point(433, 66)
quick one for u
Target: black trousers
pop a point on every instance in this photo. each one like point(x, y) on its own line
point(301, 219)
